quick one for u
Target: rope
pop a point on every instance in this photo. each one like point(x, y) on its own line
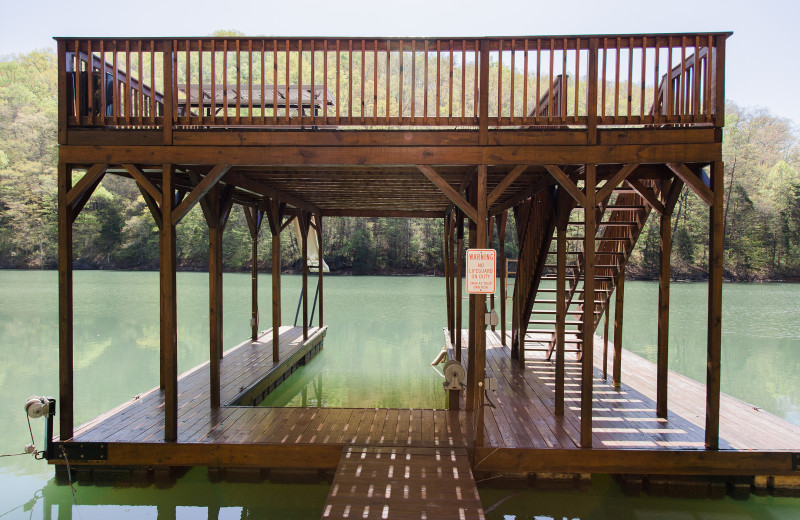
point(69, 475)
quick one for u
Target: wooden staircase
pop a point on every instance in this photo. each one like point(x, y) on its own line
point(620, 220)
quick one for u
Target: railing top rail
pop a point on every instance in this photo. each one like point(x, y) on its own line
point(725, 34)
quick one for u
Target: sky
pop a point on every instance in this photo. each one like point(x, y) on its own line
point(762, 62)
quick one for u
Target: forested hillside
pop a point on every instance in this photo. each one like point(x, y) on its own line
point(762, 205)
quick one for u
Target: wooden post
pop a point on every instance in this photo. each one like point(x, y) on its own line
point(561, 300)
point(489, 244)
point(587, 373)
point(320, 272)
point(169, 310)
point(616, 372)
point(714, 308)
point(274, 218)
point(65, 327)
point(480, 307)
point(451, 262)
point(605, 344)
point(254, 291)
point(459, 282)
point(501, 235)
point(62, 92)
point(662, 353)
point(304, 257)
point(214, 294)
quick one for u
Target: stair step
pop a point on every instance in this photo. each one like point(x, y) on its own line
point(577, 291)
point(601, 278)
point(571, 313)
point(553, 322)
point(549, 331)
point(622, 207)
point(573, 302)
point(602, 239)
point(608, 224)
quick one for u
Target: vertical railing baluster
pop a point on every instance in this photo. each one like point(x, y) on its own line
point(603, 80)
point(401, 85)
point(275, 82)
point(425, 88)
point(263, 81)
point(630, 79)
point(525, 84)
point(669, 79)
point(450, 86)
point(616, 80)
point(499, 78)
point(413, 81)
point(513, 73)
point(224, 104)
point(642, 89)
point(388, 75)
point(287, 81)
point(363, 79)
point(577, 77)
point(656, 86)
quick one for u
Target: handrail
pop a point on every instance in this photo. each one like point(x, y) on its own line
point(533, 81)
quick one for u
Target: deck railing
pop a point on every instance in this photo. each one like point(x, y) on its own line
point(345, 82)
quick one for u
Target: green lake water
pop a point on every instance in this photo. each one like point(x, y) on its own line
point(383, 332)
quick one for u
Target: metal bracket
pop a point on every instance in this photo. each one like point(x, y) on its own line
point(795, 461)
point(81, 451)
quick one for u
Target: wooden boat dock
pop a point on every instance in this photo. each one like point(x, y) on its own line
point(302, 130)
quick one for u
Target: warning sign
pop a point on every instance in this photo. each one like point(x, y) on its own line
point(481, 271)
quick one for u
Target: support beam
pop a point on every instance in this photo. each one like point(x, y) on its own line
point(152, 205)
point(662, 348)
point(66, 393)
point(615, 181)
point(714, 346)
point(142, 181)
point(587, 372)
point(83, 189)
point(211, 179)
point(566, 183)
point(693, 181)
point(647, 194)
point(472, 385)
point(169, 310)
point(265, 190)
point(480, 307)
point(507, 181)
point(616, 372)
point(449, 191)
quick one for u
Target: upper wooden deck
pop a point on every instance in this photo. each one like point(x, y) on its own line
point(339, 126)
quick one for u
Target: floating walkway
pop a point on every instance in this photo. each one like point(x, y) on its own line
point(419, 483)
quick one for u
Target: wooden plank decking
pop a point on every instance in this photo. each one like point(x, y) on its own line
point(424, 483)
point(253, 435)
point(626, 431)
